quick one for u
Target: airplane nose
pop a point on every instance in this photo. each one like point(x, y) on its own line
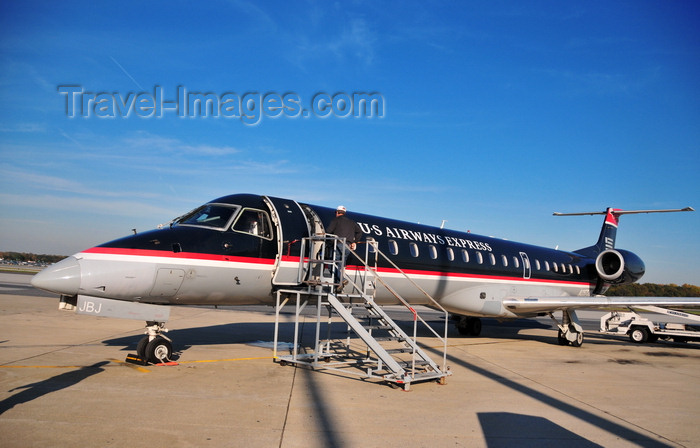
point(62, 277)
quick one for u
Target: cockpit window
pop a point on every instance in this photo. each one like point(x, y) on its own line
point(215, 216)
point(254, 222)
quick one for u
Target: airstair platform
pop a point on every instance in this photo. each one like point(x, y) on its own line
point(373, 345)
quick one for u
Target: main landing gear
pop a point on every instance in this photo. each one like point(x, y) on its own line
point(570, 330)
point(155, 347)
point(469, 326)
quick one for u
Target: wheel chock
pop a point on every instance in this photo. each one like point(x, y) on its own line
point(134, 359)
point(168, 363)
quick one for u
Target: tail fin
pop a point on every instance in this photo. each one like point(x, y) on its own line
point(608, 233)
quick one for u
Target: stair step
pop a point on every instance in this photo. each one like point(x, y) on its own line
point(389, 338)
point(399, 350)
point(378, 327)
point(419, 363)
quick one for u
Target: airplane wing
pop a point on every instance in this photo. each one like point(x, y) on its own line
point(533, 305)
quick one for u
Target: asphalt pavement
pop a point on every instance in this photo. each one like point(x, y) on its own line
point(64, 383)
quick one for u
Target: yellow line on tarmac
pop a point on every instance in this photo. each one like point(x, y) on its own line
point(128, 364)
point(133, 366)
point(42, 367)
point(222, 360)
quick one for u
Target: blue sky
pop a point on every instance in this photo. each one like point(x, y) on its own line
point(495, 114)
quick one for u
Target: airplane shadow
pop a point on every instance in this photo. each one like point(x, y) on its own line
point(505, 429)
point(233, 333)
point(251, 332)
point(620, 431)
point(39, 389)
point(328, 425)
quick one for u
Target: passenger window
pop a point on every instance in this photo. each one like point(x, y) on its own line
point(516, 262)
point(555, 266)
point(479, 258)
point(546, 265)
point(578, 271)
point(493, 259)
point(571, 269)
point(504, 259)
point(450, 254)
point(433, 252)
point(465, 255)
point(253, 222)
point(537, 264)
point(414, 249)
point(393, 247)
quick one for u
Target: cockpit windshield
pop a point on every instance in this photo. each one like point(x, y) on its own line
point(215, 216)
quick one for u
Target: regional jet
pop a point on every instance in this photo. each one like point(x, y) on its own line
point(243, 249)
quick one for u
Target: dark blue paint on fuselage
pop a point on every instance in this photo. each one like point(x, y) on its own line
point(227, 242)
point(443, 239)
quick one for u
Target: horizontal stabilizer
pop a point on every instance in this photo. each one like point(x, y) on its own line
point(608, 233)
point(627, 212)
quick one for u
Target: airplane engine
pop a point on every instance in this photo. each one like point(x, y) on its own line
point(619, 266)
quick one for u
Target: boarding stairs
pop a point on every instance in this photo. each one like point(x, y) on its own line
point(386, 351)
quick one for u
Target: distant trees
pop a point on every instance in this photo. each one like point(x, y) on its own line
point(654, 290)
point(22, 257)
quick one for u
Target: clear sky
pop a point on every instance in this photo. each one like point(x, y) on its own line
point(494, 114)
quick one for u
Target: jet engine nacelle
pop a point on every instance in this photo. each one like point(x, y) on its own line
point(619, 266)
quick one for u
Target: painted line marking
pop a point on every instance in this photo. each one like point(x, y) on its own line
point(140, 369)
point(130, 365)
point(225, 360)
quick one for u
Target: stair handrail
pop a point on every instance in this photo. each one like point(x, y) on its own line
point(372, 242)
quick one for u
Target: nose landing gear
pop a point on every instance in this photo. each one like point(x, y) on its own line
point(155, 347)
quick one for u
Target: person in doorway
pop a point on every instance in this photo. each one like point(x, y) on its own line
point(344, 227)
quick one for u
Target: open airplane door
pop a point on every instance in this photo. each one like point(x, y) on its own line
point(292, 226)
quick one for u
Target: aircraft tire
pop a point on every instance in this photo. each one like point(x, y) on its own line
point(141, 347)
point(159, 350)
point(463, 326)
point(561, 339)
point(474, 326)
point(578, 341)
point(469, 326)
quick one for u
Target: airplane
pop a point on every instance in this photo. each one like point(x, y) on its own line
point(240, 249)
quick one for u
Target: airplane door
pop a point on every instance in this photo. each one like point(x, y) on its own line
point(526, 265)
point(292, 226)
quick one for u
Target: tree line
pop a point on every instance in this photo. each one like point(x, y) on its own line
point(654, 290)
point(22, 257)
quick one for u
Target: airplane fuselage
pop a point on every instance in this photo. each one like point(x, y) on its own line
point(212, 257)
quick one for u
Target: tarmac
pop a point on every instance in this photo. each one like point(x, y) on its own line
point(64, 383)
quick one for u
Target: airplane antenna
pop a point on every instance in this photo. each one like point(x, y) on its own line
point(442, 226)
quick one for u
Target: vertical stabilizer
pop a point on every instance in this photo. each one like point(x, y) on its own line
point(608, 233)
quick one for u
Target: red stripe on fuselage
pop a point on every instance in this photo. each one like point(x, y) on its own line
point(270, 261)
point(177, 255)
point(478, 276)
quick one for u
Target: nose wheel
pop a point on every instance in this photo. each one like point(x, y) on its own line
point(155, 347)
